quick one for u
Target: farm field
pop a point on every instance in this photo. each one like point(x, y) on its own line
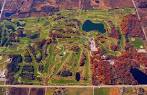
point(45, 91)
point(120, 91)
point(70, 91)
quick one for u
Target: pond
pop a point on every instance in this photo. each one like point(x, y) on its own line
point(9, 14)
point(89, 26)
point(138, 75)
point(78, 76)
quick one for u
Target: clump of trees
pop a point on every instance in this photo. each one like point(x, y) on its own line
point(7, 32)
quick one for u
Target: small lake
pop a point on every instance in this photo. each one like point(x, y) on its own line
point(89, 26)
point(78, 76)
point(138, 75)
point(9, 14)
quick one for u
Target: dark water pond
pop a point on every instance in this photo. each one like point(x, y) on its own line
point(78, 76)
point(89, 26)
point(9, 14)
point(138, 75)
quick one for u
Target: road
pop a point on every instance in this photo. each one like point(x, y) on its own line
point(139, 17)
point(2, 8)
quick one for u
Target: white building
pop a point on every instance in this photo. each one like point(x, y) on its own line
point(92, 45)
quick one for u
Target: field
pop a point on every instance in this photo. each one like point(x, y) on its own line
point(120, 91)
point(70, 91)
point(107, 91)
